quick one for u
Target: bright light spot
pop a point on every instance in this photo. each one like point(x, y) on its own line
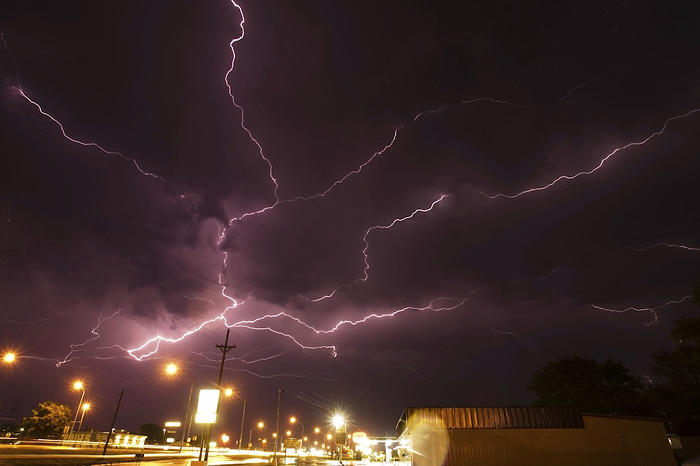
point(78, 385)
point(171, 369)
point(261, 424)
point(9, 357)
point(228, 392)
point(86, 406)
point(224, 438)
point(338, 420)
point(292, 419)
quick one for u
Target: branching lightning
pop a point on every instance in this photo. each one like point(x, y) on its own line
point(652, 310)
point(80, 346)
point(20, 91)
point(266, 323)
point(598, 166)
point(365, 276)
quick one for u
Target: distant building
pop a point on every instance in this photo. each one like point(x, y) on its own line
point(530, 436)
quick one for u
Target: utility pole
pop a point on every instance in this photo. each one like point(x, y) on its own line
point(277, 428)
point(240, 439)
point(114, 419)
point(225, 348)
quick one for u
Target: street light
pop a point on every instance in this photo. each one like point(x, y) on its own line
point(293, 420)
point(172, 369)
point(339, 424)
point(9, 358)
point(250, 434)
point(85, 407)
point(229, 392)
point(78, 385)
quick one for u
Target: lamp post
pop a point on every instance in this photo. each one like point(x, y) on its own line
point(85, 407)
point(250, 434)
point(339, 424)
point(78, 385)
point(293, 420)
point(172, 369)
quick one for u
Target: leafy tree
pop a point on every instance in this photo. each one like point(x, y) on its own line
point(153, 432)
point(678, 387)
point(48, 419)
point(606, 388)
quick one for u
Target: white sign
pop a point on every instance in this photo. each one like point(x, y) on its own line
point(207, 406)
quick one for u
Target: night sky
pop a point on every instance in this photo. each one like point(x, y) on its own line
point(390, 204)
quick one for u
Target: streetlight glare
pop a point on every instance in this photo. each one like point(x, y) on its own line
point(171, 369)
point(338, 420)
point(86, 406)
point(9, 357)
point(78, 385)
point(228, 392)
point(261, 424)
point(292, 419)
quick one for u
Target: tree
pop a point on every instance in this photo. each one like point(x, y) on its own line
point(48, 420)
point(678, 386)
point(606, 388)
point(153, 432)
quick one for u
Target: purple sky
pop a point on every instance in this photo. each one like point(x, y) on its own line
point(403, 160)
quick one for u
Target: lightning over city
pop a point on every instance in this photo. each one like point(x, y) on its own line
point(377, 203)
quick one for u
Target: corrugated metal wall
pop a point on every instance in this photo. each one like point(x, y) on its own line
point(604, 441)
point(507, 417)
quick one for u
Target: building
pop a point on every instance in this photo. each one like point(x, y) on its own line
point(530, 436)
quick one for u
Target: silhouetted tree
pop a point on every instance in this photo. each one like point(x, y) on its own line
point(47, 420)
point(153, 432)
point(606, 388)
point(677, 387)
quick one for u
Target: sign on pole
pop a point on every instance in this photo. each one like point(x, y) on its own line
point(207, 407)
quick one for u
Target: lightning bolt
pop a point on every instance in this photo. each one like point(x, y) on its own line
point(80, 346)
point(233, 100)
point(598, 166)
point(263, 323)
point(668, 245)
point(652, 310)
point(366, 241)
point(21, 92)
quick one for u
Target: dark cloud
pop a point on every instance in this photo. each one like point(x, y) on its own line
point(102, 252)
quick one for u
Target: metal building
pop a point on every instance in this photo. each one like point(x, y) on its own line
point(531, 436)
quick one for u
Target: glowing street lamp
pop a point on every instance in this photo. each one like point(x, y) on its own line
point(293, 420)
point(9, 358)
point(85, 407)
point(78, 385)
point(172, 369)
point(250, 434)
point(340, 440)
